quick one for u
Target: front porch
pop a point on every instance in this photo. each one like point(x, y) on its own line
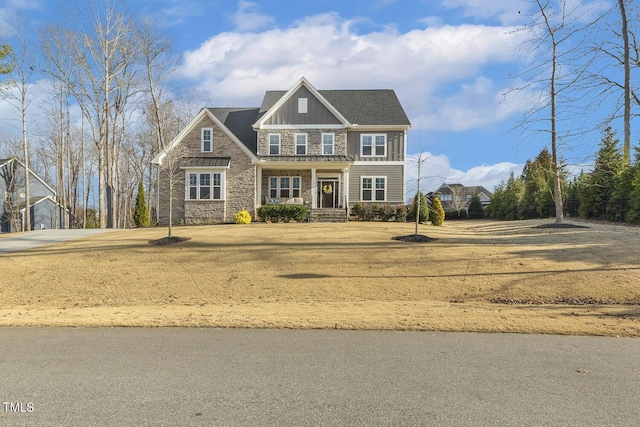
point(321, 186)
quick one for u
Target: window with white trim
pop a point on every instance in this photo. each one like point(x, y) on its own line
point(373, 145)
point(301, 144)
point(274, 144)
point(302, 105)
point(373, 188)
point(205, 185)
point(284, 186)
point(206, 138)
point(328, 143)
point(446, 197)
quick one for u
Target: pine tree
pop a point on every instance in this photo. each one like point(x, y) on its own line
point(603, 179)
point(437, 212)
point(141, 213)
point(475, 208)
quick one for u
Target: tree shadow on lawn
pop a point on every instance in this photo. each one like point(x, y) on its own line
point(440, 275)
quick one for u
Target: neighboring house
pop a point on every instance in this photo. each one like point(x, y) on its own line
point(458, 197)
point(42, 203)
point(326, 149)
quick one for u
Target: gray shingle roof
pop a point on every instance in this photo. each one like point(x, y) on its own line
point(200, 162)
point(362, 107)
point(239, 121)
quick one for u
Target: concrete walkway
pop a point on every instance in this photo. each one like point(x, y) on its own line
point(24, 241)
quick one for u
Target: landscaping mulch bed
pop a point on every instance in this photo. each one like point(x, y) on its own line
point(165, 241)
point(415, 238)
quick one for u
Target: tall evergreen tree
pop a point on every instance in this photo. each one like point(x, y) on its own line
point(602, 181)
point(141, 213)
point(538, 182)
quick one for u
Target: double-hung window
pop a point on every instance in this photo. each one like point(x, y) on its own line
point(205, 185)
point(373, 145)
point(373, 189)
point(206, 138)
point(284, 186)
point(301, 144)
point(274, 144)
point(328, 144)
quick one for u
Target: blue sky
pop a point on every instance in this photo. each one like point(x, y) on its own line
point(449, 62)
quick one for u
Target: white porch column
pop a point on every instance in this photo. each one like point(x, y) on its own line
point(258, 187)
point(345, 197)
point(314, 189)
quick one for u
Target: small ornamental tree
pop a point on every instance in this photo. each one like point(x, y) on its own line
point(141, 213)
point(437, 212)
point(475, 208)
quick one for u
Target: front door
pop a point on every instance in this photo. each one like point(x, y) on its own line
point(327, 193)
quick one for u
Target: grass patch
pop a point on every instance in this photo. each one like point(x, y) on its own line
point(348, 275)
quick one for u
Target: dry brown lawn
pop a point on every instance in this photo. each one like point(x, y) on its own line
point(478, 276)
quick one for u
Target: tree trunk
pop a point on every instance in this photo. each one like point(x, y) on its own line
point(627, 84)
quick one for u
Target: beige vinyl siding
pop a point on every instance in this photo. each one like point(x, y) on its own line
point(395, 146)
point(288, 114)
point(395, 181)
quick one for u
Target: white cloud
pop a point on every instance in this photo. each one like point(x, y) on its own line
point(23, 4)
point(508, 12)
point(437, 170)
point(176, 12)
point(331, 55)
point(247, 18)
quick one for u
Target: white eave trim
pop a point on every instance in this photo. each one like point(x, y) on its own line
point(191, 126)
point(302, 82)
point(315, 126)
point(379, 163)
point(378, 128)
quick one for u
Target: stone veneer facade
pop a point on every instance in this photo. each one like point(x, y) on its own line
point(240, 182)
point(314, 141)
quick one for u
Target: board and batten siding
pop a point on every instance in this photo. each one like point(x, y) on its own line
point(395, 181)
point(316, 113)
point(395, 146)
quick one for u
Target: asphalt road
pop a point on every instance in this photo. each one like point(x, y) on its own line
point(206, 377)
point(24, 241)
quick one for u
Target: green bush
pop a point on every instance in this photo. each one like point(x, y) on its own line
point(424, 208)
point(436, 212)
point(242, 217)
point(400, 214)
point(386, 212)
point(286, 213)
point(356, 210)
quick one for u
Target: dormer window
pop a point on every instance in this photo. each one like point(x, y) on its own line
point(302, 105)
point(207, 140)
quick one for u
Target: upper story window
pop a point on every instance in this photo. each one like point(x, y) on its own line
point(205, 185)
point(328, 142)
point(446, 197)
point(301, 144)
point(206, 140)
point(274, 144)
point(302, 105)
point(373, 145)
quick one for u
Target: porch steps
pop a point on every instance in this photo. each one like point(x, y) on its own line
point(328, 215)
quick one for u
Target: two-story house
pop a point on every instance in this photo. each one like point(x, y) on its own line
point(457, 196)
point(326, 149)
point(42, 203)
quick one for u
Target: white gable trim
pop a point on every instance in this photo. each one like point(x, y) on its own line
point(191, 126)
point(302, 82)
point(31, 174)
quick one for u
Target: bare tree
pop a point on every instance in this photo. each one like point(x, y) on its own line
point(172, 176)
point(554, 34)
